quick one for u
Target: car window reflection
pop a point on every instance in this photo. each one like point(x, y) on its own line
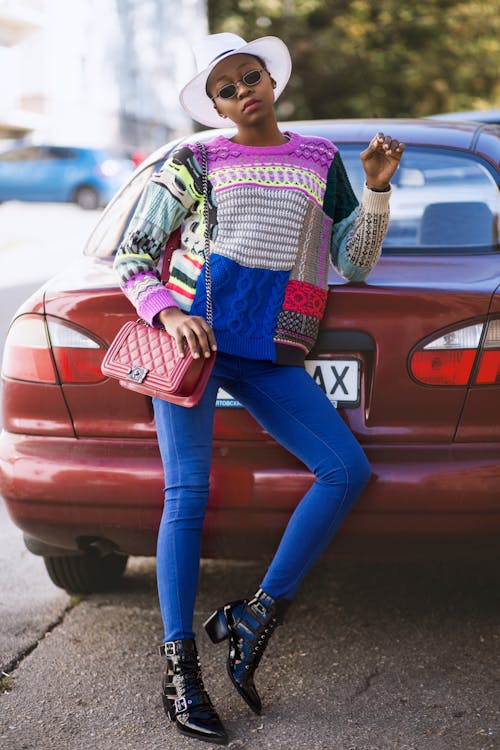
point(441, 202)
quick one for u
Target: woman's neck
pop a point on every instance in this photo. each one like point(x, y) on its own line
point(269, 136)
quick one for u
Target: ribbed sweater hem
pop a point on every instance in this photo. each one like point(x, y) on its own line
point(241, 346)
point(282, 354)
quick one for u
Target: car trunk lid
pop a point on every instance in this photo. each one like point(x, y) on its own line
point(378, 323)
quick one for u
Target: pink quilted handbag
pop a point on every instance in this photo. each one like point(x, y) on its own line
point(146, 360)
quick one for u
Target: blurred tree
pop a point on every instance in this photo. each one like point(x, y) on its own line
point(375, 58)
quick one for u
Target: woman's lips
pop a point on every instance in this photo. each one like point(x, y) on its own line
point(250, 105)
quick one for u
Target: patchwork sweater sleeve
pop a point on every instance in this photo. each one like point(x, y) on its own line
point(358, 230)
point(165, 202)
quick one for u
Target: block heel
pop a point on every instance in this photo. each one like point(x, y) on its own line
point(216, 626)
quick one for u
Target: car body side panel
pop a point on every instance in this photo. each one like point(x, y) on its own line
point(59, 490)
point(480, 419)
point(35, 409)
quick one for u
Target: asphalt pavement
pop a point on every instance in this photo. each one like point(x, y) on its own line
point(30, 605)
point(374, 656)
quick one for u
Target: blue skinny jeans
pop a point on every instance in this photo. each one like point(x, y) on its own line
point(295, 411)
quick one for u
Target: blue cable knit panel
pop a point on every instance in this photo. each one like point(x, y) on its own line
point(247, 302)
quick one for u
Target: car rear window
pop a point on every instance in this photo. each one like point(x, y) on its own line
point(442, 202)
point(107, 235)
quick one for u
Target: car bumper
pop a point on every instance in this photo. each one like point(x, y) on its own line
point(65, 490)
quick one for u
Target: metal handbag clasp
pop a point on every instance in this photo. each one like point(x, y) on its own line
point(137, 373)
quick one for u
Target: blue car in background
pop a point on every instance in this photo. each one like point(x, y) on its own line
point(88, 177)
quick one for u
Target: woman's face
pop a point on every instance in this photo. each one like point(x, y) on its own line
point(251, 104)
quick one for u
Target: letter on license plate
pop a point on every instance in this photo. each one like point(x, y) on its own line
point(338, 378)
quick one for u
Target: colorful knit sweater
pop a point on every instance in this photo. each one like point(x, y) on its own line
point(277, 215)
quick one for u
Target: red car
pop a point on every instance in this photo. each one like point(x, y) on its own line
point(411, 357)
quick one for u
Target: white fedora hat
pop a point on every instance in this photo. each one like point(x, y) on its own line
point(216, 47)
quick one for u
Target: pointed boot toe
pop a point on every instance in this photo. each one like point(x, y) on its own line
point(248, 625)
point(246, 688)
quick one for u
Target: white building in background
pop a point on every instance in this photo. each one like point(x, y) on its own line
point(97, 72)
point(18, 21)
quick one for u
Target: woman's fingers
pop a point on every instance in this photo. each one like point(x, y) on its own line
point(392, 146)
point(199, 336)
point(191, 340)
point(377, 142)
point(190, 329)
point(211, 338)
point(385, 144)
point(179, 342)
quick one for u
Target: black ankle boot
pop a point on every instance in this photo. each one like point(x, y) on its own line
point(185, 699)
point(248, 624)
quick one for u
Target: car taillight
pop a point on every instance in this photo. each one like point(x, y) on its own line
point(26, 355)
point(449, 358)
point(489, 364)
point(78, 357)
point(51, 351)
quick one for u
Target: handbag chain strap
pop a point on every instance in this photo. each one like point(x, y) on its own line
point(206, 250)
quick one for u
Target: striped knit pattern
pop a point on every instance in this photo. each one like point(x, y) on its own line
point(278, 215)
point(265, 226)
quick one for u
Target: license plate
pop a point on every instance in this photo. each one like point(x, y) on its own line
point(339, 378)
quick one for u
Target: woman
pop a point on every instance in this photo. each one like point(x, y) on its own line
point(279, 205)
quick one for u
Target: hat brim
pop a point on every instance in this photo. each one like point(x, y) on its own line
point(200, 107)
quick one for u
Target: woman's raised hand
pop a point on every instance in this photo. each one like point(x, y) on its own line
point(189, 329)
point(380, 160)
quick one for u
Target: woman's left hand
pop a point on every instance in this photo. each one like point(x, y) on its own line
point(380, 160)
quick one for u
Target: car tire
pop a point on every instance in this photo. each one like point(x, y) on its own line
point(86, 197)
point(86, 574)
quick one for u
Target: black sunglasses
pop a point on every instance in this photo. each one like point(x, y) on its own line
point(252, 78)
